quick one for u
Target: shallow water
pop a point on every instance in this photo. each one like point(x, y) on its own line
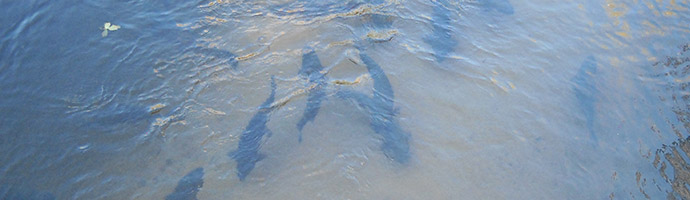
point(488, 99)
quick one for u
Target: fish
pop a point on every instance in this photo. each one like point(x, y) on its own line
point(382, 112)
point(441, 37)
point(501, 6)
point(188, 187)
point(585, 93)
point(247, 153)
point(311, 70)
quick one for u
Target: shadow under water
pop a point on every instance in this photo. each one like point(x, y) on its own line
point(382, 112)
point(586, 92)
point(311, 70)
point(189, 186)
point(247, 153)
point(441, 39)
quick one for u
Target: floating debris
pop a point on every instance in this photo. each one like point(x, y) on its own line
point(245, 57)
point(214, 111)
point(341, 43)
point(381, 36)
point(156, 108)
point(356, 81)
point(108, 27)
point(84, 147)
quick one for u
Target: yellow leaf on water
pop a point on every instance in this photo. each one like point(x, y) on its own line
point(113, 28)
point(108, 27)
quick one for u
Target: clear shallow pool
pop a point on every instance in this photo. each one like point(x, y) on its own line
point(488, 99)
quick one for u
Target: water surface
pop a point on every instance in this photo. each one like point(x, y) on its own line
point(485, 99)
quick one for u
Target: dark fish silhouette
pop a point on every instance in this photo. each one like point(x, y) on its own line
point(585, 92)
point(382, 113)
point(441, 38)
point(502, 6)
point(247, 153)
point(188, 186)
point(311, 70)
